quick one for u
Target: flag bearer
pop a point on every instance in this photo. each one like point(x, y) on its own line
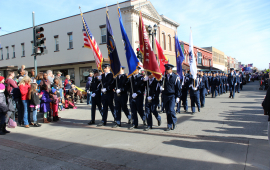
point(95, 88)
point(195, 93)
point(121, 98)
point(137, 88)
point(107, 93)
point(171, 94)
point(152, 100)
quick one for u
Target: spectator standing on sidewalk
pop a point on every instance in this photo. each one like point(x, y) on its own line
point(46, 81)
point(67, 84)
point(50, 76)
point(24, 86)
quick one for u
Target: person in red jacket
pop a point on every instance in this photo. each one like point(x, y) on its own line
point(24, 87)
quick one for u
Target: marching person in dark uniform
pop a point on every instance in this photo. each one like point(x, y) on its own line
point(184, 93)
point(214, 85)
point(152, 100)
point(107, 93)
point(195, 93)
point(224, 82)
point(209, 82)
point(95, 88)
point(232, 82)
point(202, 87)
point(171, 94)
point(238, 81)
point(227, 84)
point(120, 98)
point(219, 83)
point(137, 87)
point(241, 80)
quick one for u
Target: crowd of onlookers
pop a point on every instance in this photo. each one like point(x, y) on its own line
point(22, 96)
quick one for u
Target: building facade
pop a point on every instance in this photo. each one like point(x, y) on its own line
point(64, 40)
point(218, 58)
point(204, 58)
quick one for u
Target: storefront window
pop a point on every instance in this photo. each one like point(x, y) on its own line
point(84, 74)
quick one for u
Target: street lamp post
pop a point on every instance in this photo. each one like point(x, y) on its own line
point(152, 33)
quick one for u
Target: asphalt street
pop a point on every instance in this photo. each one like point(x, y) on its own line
point(226, 134)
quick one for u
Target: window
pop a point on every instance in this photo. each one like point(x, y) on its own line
point(173, 44)
point(13, 49)
point(56, 43)
point(103, 35)
point(23, 50)
point(84, 74)
point(170, 42)
point(164, 41)
point(70, 41)
point(2, 57)
point(199, 58)
point(7, 53)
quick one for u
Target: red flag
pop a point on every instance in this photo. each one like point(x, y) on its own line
point(149, 59)
point(162, 58)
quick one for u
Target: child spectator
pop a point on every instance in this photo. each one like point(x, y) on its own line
point(67, 84)
point(3, 107)
point(75, 93)
point(24, 87)
point(55, 101)
point(45, 102)
point(69, 102)
point(34, 98)
point(45, 81)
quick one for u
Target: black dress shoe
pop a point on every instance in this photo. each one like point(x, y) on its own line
point(199, 110)
point(36, 125)
point(129, 121)
point(91, 122)
point(101, 124)
point(168, 129)
point(229, 96)
point(193, 113)
point(116, 126)
point(202, 106)
point(132, 127)
point(159, 122)
point(144, 123)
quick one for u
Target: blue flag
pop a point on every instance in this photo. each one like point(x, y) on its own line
point(112, 51)
point(179, 57)
point(132, 59)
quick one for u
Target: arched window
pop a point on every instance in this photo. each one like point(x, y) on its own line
point(164, 41)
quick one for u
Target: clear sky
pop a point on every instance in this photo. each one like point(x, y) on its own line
point(240, 28)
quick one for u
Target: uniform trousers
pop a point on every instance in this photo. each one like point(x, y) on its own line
point(169, 103)
point(214, 91)
point(121, 104)
point(232, 90)
point(195, 99)
point(151, 107)
point(96, 102)
point(202, 96)
point(136, 105)
point(107, 101)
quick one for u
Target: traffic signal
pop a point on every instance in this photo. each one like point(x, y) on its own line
point(39, 40)
point(139, 54)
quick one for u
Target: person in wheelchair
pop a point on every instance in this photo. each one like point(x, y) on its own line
point(75, 94)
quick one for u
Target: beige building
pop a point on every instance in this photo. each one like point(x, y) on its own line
point(218, 58)
point(64, 40)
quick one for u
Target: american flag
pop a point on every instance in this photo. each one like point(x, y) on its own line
point(90, 42)
point(250, 65)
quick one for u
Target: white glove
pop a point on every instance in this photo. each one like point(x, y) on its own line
point(103, 90)
point(235, 83)
point(93, 95)
point(118, 91)
point(146, 78)
point(240, 82)
point(99, 77)
point(88, 91)
point(194, 88)
point(227, 84)
point(161, 88)
point(134, 95)
point(177, 100)
point(149, 98)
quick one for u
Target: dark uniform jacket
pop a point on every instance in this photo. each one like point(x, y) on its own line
point(172, 86)
point(231, 79)
point(95, 87)
point(154, 90)
point(138, 85)
point(107, 82)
